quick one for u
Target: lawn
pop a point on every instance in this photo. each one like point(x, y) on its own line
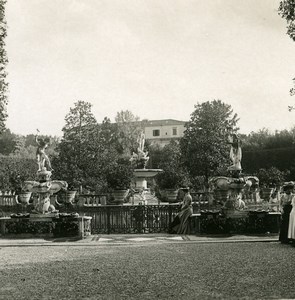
point(149, 271)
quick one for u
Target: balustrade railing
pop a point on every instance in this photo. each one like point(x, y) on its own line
point(7, 198)
point(125, 218)
point(129, 218)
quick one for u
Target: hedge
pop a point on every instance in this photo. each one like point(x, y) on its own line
point(15, 170)
point(281, 158)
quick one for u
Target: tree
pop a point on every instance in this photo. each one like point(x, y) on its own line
point(169, 160)
point(271, 177)
point(14, 171)
point(204, 147)
point(3, 63)
point(76, 149)
point(106, 151)
point(287, 11)
point(264, 139)
point(20, 142)
point(129, 128)
point(7, 142)
point(79, 119)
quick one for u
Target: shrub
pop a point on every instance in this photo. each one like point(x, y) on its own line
point(169, 179)
point(271, 177)
point(119, 174)
point(14, 171)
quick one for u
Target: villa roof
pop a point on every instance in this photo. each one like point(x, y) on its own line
point(165, 122)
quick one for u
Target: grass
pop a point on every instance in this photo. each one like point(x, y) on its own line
point(162, 271)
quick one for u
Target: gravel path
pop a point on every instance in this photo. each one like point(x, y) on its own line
point(149, 271)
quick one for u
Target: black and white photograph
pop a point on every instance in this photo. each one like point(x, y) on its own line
point(147, 149)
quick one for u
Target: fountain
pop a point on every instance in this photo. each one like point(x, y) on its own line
point(44, 186)
point(234, 216)
point(228, 190)
point(44, 214)
point(141, 174)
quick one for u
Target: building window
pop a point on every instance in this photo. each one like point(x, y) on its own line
point(156, 132)
point(174, 131)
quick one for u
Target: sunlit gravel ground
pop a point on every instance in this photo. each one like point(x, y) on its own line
point(149, 271)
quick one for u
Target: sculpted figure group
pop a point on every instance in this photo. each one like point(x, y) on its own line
point(141, 156)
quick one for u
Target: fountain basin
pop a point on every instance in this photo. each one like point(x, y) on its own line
point(140, 176)
point(146, 173)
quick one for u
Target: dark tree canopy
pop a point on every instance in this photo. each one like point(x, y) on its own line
point(204, 146)
point(90, 153)
point(79, 118)
point(287, 11)
point(3, 63)
point(76, 147)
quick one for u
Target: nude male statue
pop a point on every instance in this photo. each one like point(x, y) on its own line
point(40, 153)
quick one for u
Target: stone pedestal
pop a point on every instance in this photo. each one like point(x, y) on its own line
point(45, 226)
point(141, 175)
point(140, 183)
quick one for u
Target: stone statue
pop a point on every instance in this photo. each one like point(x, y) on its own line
point(141, 141)
point(140, 158)
point(41, 156)
point(47, 206)
point(235, 153)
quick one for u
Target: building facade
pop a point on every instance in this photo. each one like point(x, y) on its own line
point(163, 131)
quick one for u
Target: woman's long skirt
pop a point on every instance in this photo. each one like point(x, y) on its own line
point(291, 231)
point(285, 224)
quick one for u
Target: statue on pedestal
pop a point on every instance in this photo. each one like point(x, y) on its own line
point(44, 186)
point(141, 157)
point(235, 153)
point(41, 156)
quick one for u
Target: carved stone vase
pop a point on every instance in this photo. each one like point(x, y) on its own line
point(24, 197)
point(171, 194)
point(119, 196)
point(70, 196)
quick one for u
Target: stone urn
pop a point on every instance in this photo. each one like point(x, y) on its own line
point(24, 197)
point(171, 194)
point(119, 195)
point(70, 196)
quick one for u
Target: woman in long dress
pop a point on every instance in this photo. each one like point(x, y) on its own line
point(291, 230)
point(285, 202)
point(181, 223)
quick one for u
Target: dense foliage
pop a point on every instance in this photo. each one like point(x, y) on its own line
point(271, 177)
point(75, 151)
point(24, 146)
point(96, 156)
point(92, 155)
point(265, 139)
point(264, 149)
point(169, 160)
point(14, 171)
point(118, 174)
point(129, 128)
point(204, 146)
point(281, 158)
point(3, 63)
point(287, 11)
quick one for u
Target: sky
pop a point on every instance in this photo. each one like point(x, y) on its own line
point(156, 58)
